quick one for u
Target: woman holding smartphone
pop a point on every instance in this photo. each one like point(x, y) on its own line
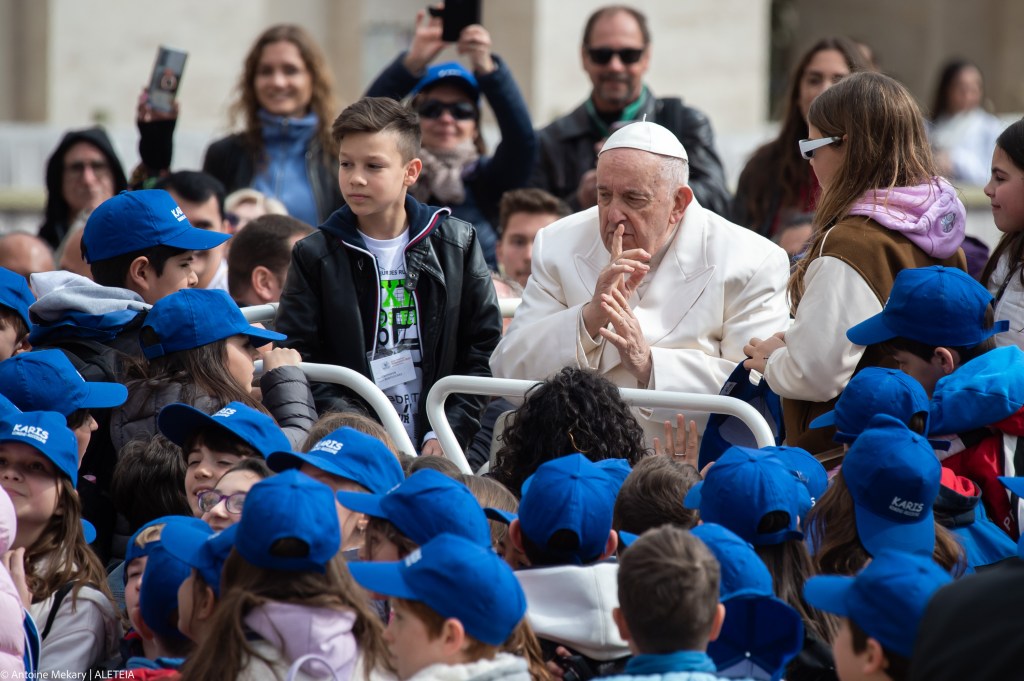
point(286, 103)
point(457, 172)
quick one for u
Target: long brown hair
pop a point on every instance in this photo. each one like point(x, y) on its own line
point(201, 372)
point(245, 587)
point(885, 145)
point(60, 555)
point(323, 103)
point(832, 531)
point(777, 167)
point(1011, 141)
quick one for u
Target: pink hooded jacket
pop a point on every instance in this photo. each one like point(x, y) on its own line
point(12, 633)
point(930, 215)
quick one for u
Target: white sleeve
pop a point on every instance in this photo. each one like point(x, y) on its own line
point(818, 360)
point(546, 333)
point(81, 635)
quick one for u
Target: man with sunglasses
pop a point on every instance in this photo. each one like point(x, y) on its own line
point(616, 53)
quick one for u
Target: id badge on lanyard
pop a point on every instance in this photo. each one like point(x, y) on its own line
point(392, 366)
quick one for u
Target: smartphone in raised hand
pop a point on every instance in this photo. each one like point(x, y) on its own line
point(455, 16)
point(166, 77)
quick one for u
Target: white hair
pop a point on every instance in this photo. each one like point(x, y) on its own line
point(675, 171)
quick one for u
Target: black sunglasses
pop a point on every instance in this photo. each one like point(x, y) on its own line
point(603, 55)
point(435, 108)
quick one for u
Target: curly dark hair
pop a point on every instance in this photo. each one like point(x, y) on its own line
point(573, 411)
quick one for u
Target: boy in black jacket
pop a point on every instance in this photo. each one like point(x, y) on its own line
point(390, 287)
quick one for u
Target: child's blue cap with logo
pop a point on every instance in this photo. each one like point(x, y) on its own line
point(46, 380)
point(570, 494)
point(178, 422)
point(291, 506)
point(350, 454)
point(164, 573)
point(456, 578)
point(424, 505)
point(194, 317)
point(893, 476)
point(15, 294)
point(139, 220)
point(48, 432)
point(887, 600)
point(742, 488)
point(872, 391)
point(199, 547)
point(808, 471)
point(941, 306)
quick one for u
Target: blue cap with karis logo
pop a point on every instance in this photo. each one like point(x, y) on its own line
point(893, 476)
point(350, 454)
point(135, 221)
point(47, 432)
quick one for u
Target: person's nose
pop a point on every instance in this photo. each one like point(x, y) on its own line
point(278, 79)
point(193, 279)
point(10, 472)
point(528, 252)
point(990, 189)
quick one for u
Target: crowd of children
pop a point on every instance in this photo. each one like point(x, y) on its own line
point(247, 536)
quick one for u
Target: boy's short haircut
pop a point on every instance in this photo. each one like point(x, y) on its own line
point(898, 667)
point(196, 187)
point(926, 351)
point(218, 440)
point(264, 241)
point(380, 114)
point(114, 271)
point(433, 623)
point(149, 482)
point(668, 591)
point(10, 318)
point(379, 528)
point(532, 201)
point(653, 495)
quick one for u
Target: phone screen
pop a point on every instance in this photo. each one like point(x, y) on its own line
point(457, 15)
point(163, 84)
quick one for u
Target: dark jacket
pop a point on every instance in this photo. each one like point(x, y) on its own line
point(57, 220)
point(329, 305)
point(233, 162)
point(512, 162)
point(567, 151)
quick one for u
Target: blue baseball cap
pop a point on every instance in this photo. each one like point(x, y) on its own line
point(456, 578)
point(893, 476)
point(15, 294)
point(133, 550)
point(1016, 486)
point(47, 432)
point(199, 547)
point(940, 306)
point(760, 629)
point(424, 505)
point(158, 595)
point(135, 221)
point(887, 599)
point(743, 487)
point(7, 407)
point(288, 505)
point(178, 422)
point(449, 70)
point(350, 454)
point(570, 493)
point(807, 469)
point(46, 380)
point(194, 317)
point(616, 469)
point(872, 391)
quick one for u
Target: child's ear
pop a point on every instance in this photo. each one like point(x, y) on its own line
point(611, 545)
point(716, 624)
point(453, 637)
point(945, 359)
point(620, 623)
point(205, 605)
point(412, 172)
point(137, 278)
point(515, 535)
point(22, 346)
point(874, 657)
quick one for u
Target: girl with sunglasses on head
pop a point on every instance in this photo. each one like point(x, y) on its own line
point(457, 172)
point(882, 209)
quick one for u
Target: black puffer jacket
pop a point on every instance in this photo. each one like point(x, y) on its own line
point(233, 162)
point(567, 151)
point(329, 305)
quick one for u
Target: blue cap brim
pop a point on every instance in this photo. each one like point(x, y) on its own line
point(1015, 485)
point(826, 419)
point(828, 593)
point(258, 337)
point(88, 531)
point(195, 239)
point(500, 516)
point(692, 499)
point(178, 421)
point(877, 534)
point(626, 539)
point(362, 503)
point(104, 395)
point(185, 543)
point(870, 331)
point(285, 461)
point(383, 578)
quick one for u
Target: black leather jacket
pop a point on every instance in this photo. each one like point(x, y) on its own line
point(232, 162)
point(329, 305)
point(567, 151)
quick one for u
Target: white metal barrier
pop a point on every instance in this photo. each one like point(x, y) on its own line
point(508, 387)
point(366, 389)
point(260, 313)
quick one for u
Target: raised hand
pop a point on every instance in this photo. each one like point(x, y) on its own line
point(627, 337)
point(680, 442)
point(475, 43)
point(623, 273)
point(426, 42)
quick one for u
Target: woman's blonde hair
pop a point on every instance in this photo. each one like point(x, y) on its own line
point(245, 587)
point(884, 146)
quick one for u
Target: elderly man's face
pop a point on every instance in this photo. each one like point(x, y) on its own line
point(616, 83)
point(632, 190)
